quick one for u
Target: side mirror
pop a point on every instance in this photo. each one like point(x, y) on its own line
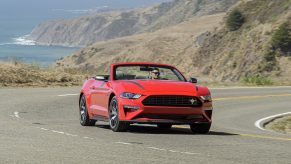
point(101, 78)
point(193, 80)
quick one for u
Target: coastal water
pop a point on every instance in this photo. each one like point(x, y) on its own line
point(43, 55)
point(18, 18)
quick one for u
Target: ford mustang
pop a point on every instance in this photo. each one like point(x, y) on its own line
point(145, 93)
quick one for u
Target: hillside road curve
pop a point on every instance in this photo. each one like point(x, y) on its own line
point(41, 125)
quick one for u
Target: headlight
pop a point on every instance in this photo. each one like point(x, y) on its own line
point(129, 95)
point(206, 98)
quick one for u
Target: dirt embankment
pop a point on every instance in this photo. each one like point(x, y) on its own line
point(19, 74)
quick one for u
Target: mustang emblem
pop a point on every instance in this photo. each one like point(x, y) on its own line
point(192, 101)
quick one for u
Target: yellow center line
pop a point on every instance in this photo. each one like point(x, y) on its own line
point(248, 97)
point(265, 137)
point(244, 135)
point(251, 97)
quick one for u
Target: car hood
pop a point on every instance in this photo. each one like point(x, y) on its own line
point(159, 86)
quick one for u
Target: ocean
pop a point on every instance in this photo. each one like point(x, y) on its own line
point(18, 18)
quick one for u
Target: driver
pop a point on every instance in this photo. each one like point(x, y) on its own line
point(155, 74)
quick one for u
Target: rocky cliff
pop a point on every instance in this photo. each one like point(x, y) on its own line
point(99, 27)
point(205, 47)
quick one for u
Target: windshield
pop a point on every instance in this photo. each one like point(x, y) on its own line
point(147, 72)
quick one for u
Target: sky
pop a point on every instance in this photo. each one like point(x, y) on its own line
point(72, 4)
point(18, 17)
point(36, 8)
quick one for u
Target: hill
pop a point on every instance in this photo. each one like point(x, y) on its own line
point(247, 53)
point(86, 30)
point(205, 48)
point(174, 45)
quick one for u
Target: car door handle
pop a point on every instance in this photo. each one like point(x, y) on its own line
point(93, 87)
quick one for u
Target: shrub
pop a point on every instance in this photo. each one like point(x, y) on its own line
point(281, 39)
point(257, 80)
point(235, 20)
point(270, 56)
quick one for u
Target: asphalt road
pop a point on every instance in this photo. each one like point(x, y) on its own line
point(38, 126)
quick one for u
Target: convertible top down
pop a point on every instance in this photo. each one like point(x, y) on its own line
point(148, 93)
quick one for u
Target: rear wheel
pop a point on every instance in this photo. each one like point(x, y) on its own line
point(200, 128)
point(164, 126)
point(115, 124)
point(84, 117)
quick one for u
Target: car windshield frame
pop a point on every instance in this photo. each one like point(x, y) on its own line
point(175, 71)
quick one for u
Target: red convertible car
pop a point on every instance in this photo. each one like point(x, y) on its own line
point(145, 93)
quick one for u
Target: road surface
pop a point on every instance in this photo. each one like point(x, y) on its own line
point(41, 125)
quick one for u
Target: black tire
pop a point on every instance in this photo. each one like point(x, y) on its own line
point(83, 110)
point(164, 126)
point(200, 128)
point(114, 123)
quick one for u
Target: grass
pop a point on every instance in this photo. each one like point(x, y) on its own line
point(281, 125)
point(257, 80)
point(20, 74)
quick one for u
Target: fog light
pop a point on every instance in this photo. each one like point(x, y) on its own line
point(131, 107)
point(208, 108)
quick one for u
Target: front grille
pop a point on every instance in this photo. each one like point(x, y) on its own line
point(172, 100)
point(170, 116)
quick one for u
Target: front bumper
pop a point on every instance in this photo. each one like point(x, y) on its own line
point(134, 111)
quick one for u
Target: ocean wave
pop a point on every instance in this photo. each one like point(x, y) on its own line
point(23, 41)
point(82, 11)
point(3, 44)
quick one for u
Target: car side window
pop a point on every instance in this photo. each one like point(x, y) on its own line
point(168, 74)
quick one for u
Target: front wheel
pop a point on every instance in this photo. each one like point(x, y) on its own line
point(200, 128)
point(84, 117)
point(115, 124)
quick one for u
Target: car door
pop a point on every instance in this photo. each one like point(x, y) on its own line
point(100, 92)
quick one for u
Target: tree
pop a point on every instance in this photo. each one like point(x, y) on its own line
point(281, 39)
point(235, 20)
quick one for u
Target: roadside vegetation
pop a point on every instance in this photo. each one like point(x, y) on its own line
point(281, 125)
point(19, 74)
point(235, 20)
point(257, 80)
point(280, 46)
point(281, 39)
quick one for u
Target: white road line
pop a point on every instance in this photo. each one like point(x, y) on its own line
point(124, 143)
point(88, 138)
point(155, 148)
point(190, 153)
point(258, 123)
point(73, 135)
point(58, 132)
point(173, 151)
point(73, 94)
point(16, 114)
point(43, 129)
